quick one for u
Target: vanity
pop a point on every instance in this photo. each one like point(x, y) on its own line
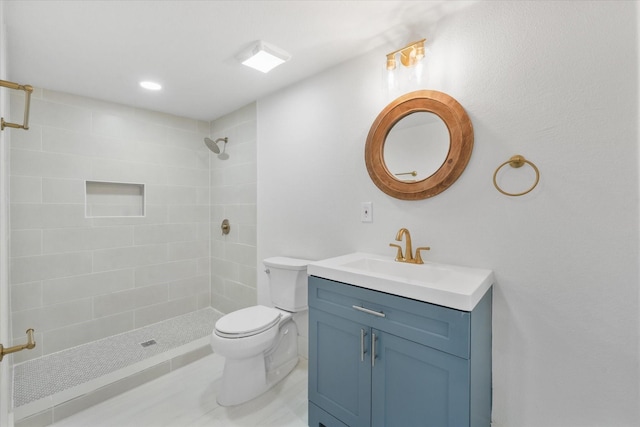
point(394, 344)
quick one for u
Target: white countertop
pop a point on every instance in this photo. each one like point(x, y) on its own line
point(442, 284)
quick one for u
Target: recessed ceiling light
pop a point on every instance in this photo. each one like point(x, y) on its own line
point(151, 85)
point(263, 57)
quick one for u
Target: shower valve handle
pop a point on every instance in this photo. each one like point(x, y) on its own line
point(225, 226)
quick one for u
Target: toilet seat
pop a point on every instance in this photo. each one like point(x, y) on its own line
point(247, 322)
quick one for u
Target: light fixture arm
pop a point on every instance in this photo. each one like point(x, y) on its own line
point(409, 55)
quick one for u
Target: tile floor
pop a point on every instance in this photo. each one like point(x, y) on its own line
point(187, 397)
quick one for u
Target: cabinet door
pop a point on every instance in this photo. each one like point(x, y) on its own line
point(414, 385)
point(339, 378)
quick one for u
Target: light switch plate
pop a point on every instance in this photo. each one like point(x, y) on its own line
point(366, 212)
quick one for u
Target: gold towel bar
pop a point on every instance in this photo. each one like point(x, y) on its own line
point(27, 101)
point(516, 161)
point(29, 345)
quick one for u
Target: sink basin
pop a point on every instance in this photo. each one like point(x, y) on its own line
point(443, 284)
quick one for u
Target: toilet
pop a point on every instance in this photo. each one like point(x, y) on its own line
point(260, 343)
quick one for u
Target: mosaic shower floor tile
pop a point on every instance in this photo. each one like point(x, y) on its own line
point(51, 374)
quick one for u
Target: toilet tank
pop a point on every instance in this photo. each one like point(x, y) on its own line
point(287, 282)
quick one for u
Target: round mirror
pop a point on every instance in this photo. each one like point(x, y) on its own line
point(416, 146)
point(424, 132)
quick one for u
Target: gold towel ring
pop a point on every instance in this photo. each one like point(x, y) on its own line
point(516, 161)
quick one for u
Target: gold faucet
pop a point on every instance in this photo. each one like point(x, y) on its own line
point(408, 249)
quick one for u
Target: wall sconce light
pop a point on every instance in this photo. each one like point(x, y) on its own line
point(409, 55)
point(263, 57)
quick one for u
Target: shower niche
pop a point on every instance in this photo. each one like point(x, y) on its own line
point(114, 199)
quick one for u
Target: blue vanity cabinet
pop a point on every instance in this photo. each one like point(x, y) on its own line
point(342, 382)
point(431, 364)
point(413, 384)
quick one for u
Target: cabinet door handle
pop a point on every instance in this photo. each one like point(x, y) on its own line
point(362, 349)
point(368, 311)
point(374, 338)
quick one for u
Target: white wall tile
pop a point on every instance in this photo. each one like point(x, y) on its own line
point(188, 250)
point(164, 233)
point(81, 333)
point(65, 141)
point(113, 303)
point(247, 275)
point(204, 266)
point(166, 272)
point(187, 287)
point(150, 295)
point(51, 317)
point(31, 140)
point(182, 195)
point(26, 216)
point(63, 191)
point(26, 243)
point(245, 214)
point(224, 268)
point(85, 239)
point(203, 196)
point(87, 285)
point(66, 215)
point(156, 313)
point(187, 177)
point(40, 267)
point(188, 213)
point(247, 234)
point(241, 254)
point(167, 120)
point(60, 115)
point(90, 104)
point(155, 214)
point(244, 296)
point(233, 196)
point(109, 125)
point(26, 189)
point(129, 300)
point(113, 170)
point(138, 131)
point(50, 165)
point(240, 174)
point(156, 194)
point(26, 296)
point(116, 259)
point(244, 194)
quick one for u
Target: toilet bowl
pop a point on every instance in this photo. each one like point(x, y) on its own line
point(260, 343)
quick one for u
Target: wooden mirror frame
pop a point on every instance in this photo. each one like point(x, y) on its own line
point(461, 144)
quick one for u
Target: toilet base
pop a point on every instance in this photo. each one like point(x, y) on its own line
point(246, 379)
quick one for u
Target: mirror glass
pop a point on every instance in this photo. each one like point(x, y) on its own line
point(416, 146)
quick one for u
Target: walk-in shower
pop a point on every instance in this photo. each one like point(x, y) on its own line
point(213, 146)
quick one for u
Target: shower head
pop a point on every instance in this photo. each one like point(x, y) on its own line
point(213, 145)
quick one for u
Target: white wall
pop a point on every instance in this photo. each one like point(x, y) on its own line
point(554, 81)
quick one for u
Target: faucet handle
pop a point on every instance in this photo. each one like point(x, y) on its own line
point(418, 257)
point(399, 256)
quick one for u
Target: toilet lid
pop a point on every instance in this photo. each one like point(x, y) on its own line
point(247, 321)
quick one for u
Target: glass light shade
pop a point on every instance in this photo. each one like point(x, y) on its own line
point(391, 62)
